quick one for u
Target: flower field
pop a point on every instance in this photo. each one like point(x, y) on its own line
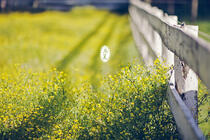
point(53, 84)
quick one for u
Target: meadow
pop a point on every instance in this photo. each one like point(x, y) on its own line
point(53, 84)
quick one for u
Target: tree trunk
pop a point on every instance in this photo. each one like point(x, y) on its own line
point(148, 1)
point(194, 10)
point(171, 9)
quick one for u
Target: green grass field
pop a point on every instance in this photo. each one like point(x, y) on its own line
point(44, 40)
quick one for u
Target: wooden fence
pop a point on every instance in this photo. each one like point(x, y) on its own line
point(158, 35)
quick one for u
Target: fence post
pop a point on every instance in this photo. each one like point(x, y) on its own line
point(186, 80)
point(167, 55)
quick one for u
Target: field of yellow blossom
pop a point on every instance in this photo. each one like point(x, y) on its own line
point(53, 84)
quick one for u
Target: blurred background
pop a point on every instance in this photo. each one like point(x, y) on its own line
point(38, 37)
point(185, 9)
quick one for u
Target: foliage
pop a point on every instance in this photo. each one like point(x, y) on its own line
point(39, 102)
point(204, 27)
point(30, 103)
point(204, 108)
point(133, 105)
point(129, 104)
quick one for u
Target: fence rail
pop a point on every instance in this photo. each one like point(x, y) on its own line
point(157, 35)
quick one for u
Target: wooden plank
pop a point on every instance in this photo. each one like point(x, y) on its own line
point(167, 55)
point(147, 54)
point(187, 82)
point(150, 36)
point(193, 51)
point(141, 36)
point(186, 125)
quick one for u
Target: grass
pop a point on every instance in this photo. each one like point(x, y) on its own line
point(53, 84)
point(26, 38)
point(204, 27)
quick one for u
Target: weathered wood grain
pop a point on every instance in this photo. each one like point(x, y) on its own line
point(187, 82)
point(145, 51)
point(193, 51)
point(186, 125)
point(150, 36)
point(167, 55)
